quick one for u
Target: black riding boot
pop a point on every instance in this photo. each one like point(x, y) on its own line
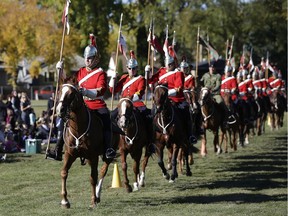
point(57, 153)
point(109, 151)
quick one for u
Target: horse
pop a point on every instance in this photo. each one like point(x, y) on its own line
point(233, 123)
point(213, 118)
point(169, 133)
point(83, 137)
point(261, 112)
point(277, 109)
point(134, 140)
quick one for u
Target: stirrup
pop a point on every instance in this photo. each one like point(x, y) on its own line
point(110, 153)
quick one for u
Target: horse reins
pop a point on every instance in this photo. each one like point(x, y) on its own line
point(127, 139)
point(70, 132)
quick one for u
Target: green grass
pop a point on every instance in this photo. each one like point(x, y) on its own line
point(250, 181)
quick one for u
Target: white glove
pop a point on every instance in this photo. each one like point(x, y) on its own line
point(112, 82)
point(135, 97)
point(147, 68)
point(172, 92)
point(59, 65)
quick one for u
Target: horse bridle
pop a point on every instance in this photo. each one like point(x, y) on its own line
point(77, 139)
point(129, 140)
point(202, 104)
point(161, 124)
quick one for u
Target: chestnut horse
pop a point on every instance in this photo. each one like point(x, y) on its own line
point(83, 137)
point(134, 140)
point(168, 132)
point(213, 118)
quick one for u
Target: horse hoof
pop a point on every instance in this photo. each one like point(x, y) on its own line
point(189, 173)
point(167, 176)
point(97, 199)
point(129, 189)
point(135, 186)
point(65, 204)
point(171, 181)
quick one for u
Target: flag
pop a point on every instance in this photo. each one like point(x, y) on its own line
point(65, 16)
point(251, 64)
point(172, 53)
point(122, 45)
point(263, 64)
point(165, 46)
point(242, 60)
point(210, 48)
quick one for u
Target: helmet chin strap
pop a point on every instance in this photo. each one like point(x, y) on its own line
point(93, 64)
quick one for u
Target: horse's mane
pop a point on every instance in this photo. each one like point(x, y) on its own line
point(72, 79)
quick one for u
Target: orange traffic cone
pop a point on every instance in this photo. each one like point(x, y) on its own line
point(116, 182)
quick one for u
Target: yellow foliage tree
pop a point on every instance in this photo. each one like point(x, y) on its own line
point(29, 31)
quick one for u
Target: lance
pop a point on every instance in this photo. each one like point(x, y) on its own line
point(231, 48)
point(226, 53)
point(208, 52)
point(152, 62)
point(116, 59)
point(68, 2)
point(197, 57)
point(148, 59)
point(266, 68)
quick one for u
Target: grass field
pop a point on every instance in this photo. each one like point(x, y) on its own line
point(251, 181)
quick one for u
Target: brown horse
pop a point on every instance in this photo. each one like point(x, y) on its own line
point(213, 118)
point(168, 132)
point(134, 140)
point(261, 113)
point(233, 124)
point(278, 103)
point(83, 137)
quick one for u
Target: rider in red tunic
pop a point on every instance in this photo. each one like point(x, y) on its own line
point(92, 82)
point(229, 86)
point(174, 79)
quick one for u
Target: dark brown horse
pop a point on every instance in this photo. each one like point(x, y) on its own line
point(213, 118)
point(169, 133)
point(83, 137)
point(233, 123)
point(134, 140)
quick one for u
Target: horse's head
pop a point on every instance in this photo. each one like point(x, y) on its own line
point(160, 97)
point(125, 112)
point(204, 97)
point(70, 99)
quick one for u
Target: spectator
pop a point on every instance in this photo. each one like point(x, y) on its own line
point(10, 146)
point(3, 109)
point(10, 119)
point(50, 104)
point(25, 106)
point(15, 100)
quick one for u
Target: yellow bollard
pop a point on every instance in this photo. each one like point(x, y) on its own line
point(116, 182)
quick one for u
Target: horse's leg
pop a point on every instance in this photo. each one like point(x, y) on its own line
point(174, 174)
point(217, 147)
point(136, 170)
point(144, 165)
point(93, 162)
point(169, 158)
point(180, 160)
point(68, 161)
point(186, 157)
point(124, 169)
point(160, 153)
point(103, 172)
point(203, 144)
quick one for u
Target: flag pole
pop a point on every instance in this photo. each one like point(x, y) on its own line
point(148, 60)
point(226, 53)
point(57, 83)
point(197, 56)
point(231, 48)
point(116, 60)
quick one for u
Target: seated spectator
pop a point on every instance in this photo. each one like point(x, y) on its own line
point(10, 146)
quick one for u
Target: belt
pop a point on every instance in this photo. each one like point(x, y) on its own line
point(90, 99)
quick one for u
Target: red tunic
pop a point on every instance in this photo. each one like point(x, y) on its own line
point(243, 90)
point(276, 84)
point(257, 84)
point(174, 80)
point(96, 81)
point(229, 84)
point(131, 86)
point(189, 82)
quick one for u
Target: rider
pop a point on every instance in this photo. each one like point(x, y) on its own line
point(174, 78)
point(189, 85)
point(229, 85)
point(132, 86)
point(92, 83)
